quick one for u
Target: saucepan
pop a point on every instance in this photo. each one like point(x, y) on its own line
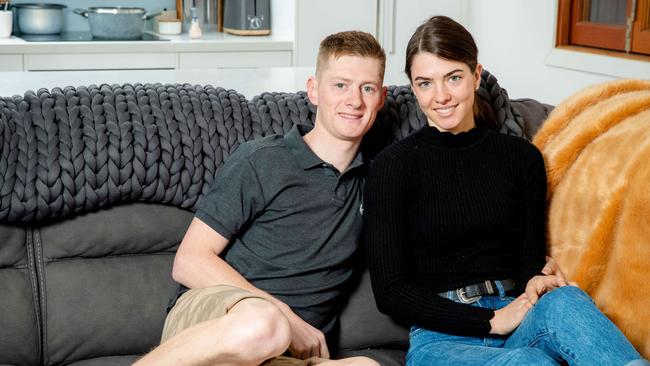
point(39, 18)
point(115, 22)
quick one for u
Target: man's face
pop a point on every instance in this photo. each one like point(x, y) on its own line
point(349, 92)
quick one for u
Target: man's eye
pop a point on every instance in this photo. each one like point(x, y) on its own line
point(368, 89)
point(339, 85)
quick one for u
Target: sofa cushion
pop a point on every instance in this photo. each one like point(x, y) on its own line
point(360, 320)
point(107, 279)
point(19, 332)
point(108, 361)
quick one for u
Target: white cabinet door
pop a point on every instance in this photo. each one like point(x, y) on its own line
point(391, 21)
point(11, 62)
point(398, 19)
point(234, 60)
point(100, 61)
point(315, 19)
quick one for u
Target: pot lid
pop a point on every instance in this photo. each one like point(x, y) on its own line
point(40, 6)
point(115, 10)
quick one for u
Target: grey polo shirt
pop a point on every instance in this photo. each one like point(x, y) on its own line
point(293, 221)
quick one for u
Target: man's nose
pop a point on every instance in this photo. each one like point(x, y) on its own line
point(354, 98)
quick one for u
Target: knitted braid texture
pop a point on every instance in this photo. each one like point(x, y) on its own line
point(73, 150)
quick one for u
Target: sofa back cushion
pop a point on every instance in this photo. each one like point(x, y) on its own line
point(19, 333)
point(106, 280)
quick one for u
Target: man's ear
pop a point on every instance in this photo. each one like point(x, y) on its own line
point(312, 90)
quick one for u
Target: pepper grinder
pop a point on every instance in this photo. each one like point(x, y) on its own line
point(195, 27)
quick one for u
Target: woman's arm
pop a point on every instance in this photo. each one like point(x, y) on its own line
point(390, 257)
point(532, 248)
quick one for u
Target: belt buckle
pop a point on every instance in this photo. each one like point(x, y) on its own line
point(466, 300)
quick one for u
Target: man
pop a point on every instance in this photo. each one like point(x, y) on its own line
point(270, 248)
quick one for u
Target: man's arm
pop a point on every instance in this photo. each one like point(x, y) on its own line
point(197, 264)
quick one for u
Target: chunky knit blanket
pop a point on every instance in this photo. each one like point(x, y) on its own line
point(596, 145)
point(70, 150)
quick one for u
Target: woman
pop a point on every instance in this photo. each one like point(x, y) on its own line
point(455, 231)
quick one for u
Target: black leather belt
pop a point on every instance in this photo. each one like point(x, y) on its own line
point(472, 293)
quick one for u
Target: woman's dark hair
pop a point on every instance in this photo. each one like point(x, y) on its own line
point(447, 39)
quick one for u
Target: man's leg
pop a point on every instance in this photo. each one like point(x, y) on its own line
point(251, 331)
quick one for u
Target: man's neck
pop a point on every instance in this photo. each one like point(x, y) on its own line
point(339, 153)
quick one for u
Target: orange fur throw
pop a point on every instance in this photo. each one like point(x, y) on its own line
point(596, 145)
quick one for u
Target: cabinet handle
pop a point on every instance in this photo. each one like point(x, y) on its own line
point(387, 16)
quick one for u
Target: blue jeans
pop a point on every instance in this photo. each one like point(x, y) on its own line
point(564, 327)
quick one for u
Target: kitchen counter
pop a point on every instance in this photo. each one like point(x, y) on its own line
point(214, 41)
point(249, 82)
point(213, 50)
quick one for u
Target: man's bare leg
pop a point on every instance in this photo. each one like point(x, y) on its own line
point(352, 361)
point(252, 331)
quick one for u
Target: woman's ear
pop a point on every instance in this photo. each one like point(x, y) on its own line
point(477, 76)
point(312, 90)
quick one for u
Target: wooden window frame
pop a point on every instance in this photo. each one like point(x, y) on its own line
point(571, 31)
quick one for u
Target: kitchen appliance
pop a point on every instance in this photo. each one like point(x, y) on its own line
point(247, 17)
point(115, 22)
point(39, 18)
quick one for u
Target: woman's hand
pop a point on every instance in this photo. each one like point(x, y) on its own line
point(539, 285)
point(508, 318)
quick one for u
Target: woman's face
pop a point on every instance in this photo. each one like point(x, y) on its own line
point(445, 91)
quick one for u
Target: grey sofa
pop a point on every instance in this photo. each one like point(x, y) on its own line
point(97, 187)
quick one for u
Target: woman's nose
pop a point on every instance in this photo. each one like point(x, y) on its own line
point(442, 94)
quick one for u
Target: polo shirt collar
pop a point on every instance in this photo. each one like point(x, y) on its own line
point(305, 157)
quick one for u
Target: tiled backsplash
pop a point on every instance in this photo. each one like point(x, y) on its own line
point(74, 22)
point(283, 10)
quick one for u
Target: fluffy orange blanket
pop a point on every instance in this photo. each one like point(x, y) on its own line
point(596, 145)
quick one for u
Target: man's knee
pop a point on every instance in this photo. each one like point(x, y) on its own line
point(257, 324)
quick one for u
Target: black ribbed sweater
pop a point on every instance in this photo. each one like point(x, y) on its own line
point(443, 211)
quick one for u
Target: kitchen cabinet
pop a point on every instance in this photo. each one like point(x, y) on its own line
point(99, 61)
point(213, 50)
point(391, 21)
point(11, 62)
point(231, 60)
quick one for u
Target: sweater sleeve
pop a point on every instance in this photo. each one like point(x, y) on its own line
point(390, 260)
point(532, 249)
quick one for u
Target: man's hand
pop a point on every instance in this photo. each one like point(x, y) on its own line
point(509, 317)
point(306, 341)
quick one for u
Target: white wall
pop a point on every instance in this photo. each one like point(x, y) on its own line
point(282, 16)
point(516, 41)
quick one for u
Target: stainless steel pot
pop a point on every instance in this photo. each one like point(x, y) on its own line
point(115, 22)
point(39, 18)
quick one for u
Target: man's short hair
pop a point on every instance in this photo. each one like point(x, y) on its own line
point(350, 43)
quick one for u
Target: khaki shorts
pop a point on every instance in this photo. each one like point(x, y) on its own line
point(203, 304)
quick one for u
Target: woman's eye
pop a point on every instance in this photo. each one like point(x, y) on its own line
point(455, 78)
point(424, 84)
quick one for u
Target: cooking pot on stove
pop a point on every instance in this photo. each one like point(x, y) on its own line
point(115, 22)
point(39, 18)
